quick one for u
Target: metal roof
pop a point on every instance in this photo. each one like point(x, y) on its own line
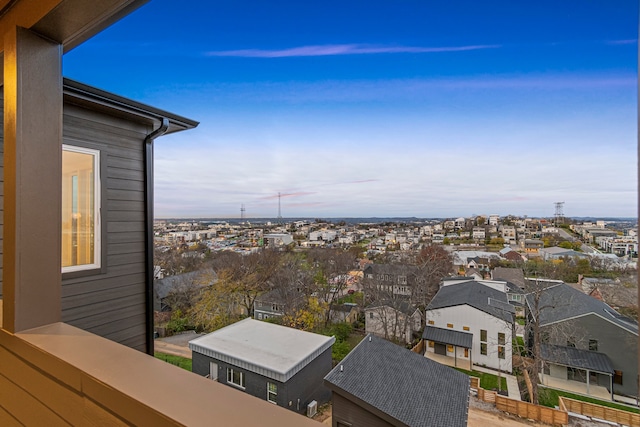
point(274, 351)
point(576, 358)
point(400, 386)
point(448, 336)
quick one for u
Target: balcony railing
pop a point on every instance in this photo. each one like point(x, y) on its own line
point(59, 375)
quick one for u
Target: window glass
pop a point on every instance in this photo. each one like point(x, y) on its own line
point(80, 209)
point(483, 335)
point(272, 392)
point(501, 338)
point(483, 348)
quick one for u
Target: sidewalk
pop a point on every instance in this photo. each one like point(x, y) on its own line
point(512, 382)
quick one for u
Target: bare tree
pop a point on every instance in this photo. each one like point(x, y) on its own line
point(331, 268)
point(434, 263)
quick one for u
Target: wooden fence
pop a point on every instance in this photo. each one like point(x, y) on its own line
point(419, 348)
point(598, 411)
point(530, 411)
point(523, 409)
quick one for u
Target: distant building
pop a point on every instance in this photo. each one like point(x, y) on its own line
point(281, 365)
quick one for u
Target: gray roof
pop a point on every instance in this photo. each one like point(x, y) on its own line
point(448, 336)
point(400, 304)
point(474, 294)
point(576, 358)
point(401, 386)
point(274, 351)
point(201, 278)
point(562, 302)
point(511, 275)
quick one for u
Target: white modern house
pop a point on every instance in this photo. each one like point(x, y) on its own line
point(471, 323)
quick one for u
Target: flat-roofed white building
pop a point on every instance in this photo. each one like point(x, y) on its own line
point(282, 365)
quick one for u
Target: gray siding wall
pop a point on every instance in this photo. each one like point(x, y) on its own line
point(343, 410)
point(110, 302)
point(619, 344)
point(306, 385)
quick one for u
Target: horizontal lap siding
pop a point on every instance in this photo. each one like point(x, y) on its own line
point(112, 303)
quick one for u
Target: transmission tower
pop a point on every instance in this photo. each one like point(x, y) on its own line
point(559, 216)
point(242, 211)
point(279, 207)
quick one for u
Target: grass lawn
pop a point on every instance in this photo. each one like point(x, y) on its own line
point(549, 397)
point(182, 362)
point(487, 381)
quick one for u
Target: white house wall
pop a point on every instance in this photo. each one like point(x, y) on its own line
point(465, 315)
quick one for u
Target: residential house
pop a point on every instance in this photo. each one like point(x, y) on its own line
point(394, 320)
point(187, 284)
point(479, 308)
point(281, 365)
point(72, 321)
point(395, 279)
point(276, 303)
point(344, 313)
point(277, 240)
point(479, 264)
point(511, 255)
point(533, 246)
point(380, 384)
point(508, 233)
point(568, 317)
point(478, 233)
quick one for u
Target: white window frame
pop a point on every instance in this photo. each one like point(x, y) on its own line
point(97, 199)
point(230, 372)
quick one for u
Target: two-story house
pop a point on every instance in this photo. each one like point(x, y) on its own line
point(470, 323)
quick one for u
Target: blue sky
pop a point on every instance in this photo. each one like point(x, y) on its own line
point(379, 108)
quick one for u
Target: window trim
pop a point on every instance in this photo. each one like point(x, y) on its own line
point(230, 372)
point(99, 230)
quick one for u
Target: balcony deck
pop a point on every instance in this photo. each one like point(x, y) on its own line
point(59, 375)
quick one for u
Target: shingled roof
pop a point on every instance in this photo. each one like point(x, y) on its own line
point(576, 358)
point(476, 295)
point(561, 302)
point(400, 386)
point(448, 336)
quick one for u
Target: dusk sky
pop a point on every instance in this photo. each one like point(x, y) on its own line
point(383, 108)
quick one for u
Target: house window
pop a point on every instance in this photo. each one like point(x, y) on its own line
point(617, 377)
point(431, 322)
point(593, 345)
point(466, 352)
point(500, 352)
point(450, 348)
point(483, 342)
point(371, 315)
point(449, 325)
point(501, 338)
point(235, 377)
point(272, 392)
point(465, 328)
point(80, 209)
point(431, 344)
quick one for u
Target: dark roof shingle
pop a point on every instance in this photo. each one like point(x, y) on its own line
point(401, 385)
point(576, 358)
point(476, 295)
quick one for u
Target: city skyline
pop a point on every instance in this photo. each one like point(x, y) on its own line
point(402, 110)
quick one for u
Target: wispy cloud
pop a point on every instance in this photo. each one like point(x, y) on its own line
point(341, 49)
point(628, 41)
